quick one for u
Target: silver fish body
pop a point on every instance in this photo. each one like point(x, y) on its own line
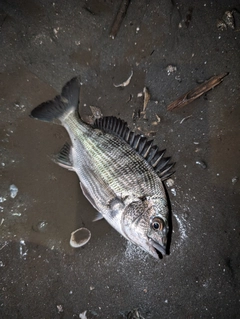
point(114, 172)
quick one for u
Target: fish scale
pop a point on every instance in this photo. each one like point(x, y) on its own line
point(127, 164)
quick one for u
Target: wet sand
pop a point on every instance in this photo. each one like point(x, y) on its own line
point(44, 44)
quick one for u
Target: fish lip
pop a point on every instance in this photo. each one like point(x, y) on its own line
point(160, 249)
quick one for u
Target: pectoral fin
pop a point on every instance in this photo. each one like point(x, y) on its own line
point(64, 157)
point(88, 196)
point(99, 216)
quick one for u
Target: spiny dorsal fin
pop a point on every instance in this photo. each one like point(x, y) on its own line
point(139, 143)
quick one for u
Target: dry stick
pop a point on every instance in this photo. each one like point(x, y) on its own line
point(119, 18)
point(198, 91)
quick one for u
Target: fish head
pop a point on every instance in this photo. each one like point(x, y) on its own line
point(146, 224)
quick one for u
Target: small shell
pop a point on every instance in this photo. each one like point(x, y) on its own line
point(80, 237)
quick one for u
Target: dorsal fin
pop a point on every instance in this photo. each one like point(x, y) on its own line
point(139, 143)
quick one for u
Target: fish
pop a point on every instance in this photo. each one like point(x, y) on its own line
point(121, 173)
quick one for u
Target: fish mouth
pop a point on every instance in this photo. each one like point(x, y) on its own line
point(159, 249)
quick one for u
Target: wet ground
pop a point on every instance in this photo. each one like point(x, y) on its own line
point(43, 45)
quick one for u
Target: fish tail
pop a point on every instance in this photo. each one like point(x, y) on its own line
point(61, 106)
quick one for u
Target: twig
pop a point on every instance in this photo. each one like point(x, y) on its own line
point(4, 245)
point(197, 92)
point(185, 118)
point(119, 18)
point(125, 83)
point(145, 102)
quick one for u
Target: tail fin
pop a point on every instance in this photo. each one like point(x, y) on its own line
point(54, 110)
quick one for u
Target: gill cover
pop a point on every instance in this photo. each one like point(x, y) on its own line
point(143, 227)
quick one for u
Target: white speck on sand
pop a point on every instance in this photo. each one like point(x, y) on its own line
point(83, 315)
point(134, 252)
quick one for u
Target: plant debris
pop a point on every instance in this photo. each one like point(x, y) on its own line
point(147, 133)
point(125, 83)
point(119, 18)
point(228, 18)
point(158, 120)
point(96, 112)
point(221, 25)
point(134, 314)
point(197, 92)
point(59, 308)
point(130, 98)
point(171, 69)
point(135, 115)
point(145, 101)
point(226, 21)
point(83, 315)
point(201, 164)
point(169, 182)
point(185, 118)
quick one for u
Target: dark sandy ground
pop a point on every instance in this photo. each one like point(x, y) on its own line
point(43, 45)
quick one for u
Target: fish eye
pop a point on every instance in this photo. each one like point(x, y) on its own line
point(157, 223)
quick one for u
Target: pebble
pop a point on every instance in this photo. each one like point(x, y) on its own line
point(13, 191)
point(202, 164)
point(234, 180)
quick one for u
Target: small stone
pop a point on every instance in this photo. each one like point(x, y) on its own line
point(202, 164)
point(59, 308)
point(170, 182)
point(40, 226)
point(13, 191)
point(2, 199)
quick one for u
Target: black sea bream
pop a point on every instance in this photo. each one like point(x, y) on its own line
point(120, 172)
